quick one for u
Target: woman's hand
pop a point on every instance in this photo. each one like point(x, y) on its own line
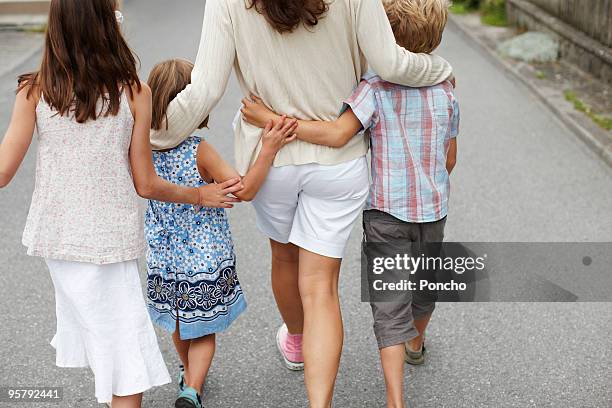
point(218, 195)
point(257, 113)
point(276, 136)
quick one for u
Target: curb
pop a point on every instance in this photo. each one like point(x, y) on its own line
point(603, 150)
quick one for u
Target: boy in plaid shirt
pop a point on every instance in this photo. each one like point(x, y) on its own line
point(413, 147)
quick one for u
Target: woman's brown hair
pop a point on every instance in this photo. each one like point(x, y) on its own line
point(286, 15)
point(167, 79)
point(85, 58)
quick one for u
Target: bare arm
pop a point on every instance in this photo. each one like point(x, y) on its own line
point(18, 137)
point(451, 157)
point(148, 184)
point(212, 166)
point(208, 80)
point(390, 61)
point(335, 133)
point(274, 138)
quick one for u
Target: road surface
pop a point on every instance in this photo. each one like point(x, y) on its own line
point(521, 176)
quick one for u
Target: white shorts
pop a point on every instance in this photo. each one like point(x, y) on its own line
point(313, 206)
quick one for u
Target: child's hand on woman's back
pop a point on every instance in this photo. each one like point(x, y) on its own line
point(276, 136)
point(256, 113)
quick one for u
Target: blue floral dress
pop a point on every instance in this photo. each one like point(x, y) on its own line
point(191, 261)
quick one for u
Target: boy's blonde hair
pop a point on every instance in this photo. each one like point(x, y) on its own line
point(418, 24)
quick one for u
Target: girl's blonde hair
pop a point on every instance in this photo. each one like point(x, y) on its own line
point(167, 80)
point(418, 24)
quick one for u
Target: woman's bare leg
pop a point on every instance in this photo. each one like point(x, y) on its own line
point(392, 359)
point(323, 331)
point(201, 353)
point(285, 259)
point(130, 401)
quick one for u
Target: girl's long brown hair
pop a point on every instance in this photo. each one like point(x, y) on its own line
point(286, 15)
point(85, 58)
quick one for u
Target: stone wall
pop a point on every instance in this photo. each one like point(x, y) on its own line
point(583, 27)
point(592, 17)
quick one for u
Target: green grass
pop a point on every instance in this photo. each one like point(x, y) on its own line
point(602, 121)
point(495, 18)
point(493, 12)
point(540, 75)
point(459, 8)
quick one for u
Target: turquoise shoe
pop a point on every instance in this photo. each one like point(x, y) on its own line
point(188, 398)
point(181, 378)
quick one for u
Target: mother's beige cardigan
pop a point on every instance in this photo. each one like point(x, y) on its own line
point(305, 74)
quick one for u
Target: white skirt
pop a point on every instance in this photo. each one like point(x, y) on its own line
point(102, 323)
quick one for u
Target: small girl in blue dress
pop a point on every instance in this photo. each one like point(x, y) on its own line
point(193, 291)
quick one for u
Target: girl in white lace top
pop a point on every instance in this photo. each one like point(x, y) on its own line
point(94, 159)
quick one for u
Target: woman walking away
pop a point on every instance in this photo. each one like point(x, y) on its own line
point(301, 58)
point(94, 158)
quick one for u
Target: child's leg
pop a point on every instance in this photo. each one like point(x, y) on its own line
point(182, 348)
point(421, 325)
point(393, 321)
point(393, 327)
point(430, 237)
point(201, 353)
point(392, 359)
point(130, 401)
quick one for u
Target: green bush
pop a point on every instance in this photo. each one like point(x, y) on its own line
point(467, 4)
point(493, 3)
point(493, 11)
point(474, 4)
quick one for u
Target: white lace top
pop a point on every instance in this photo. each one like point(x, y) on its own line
point(84, 207)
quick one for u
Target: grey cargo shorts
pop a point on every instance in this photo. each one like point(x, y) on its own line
point(394, 322)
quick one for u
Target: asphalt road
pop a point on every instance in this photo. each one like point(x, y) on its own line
point(521, 176)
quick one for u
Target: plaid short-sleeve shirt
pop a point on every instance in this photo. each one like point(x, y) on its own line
point(410, 131)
